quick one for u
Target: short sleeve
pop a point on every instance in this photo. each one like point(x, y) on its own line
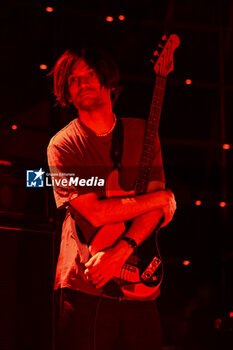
point(63, 171)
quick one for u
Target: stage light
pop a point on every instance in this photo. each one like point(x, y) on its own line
point(226, 146)
point(121, 18)
point(49, 9)
point(222, 204)
point(217, 323)
point(14, 127)
point(198, 202)
point(109, 19)
point(43, 66)
point(231, 314)
point(188, 81)
point(186, 262)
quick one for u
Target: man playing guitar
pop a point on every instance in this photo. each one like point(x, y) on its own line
point(89, 317)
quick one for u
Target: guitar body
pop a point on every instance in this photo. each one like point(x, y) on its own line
point(131, 279)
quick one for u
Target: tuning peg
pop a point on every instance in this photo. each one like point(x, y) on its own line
point(164, 37)
point(159, 45)
point(156, 53)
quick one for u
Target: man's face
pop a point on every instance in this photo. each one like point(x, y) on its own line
point(85, 90)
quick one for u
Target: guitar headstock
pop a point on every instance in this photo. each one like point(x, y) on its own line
point(165, 61)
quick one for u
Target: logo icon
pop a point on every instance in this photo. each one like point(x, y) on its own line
point(35, 178)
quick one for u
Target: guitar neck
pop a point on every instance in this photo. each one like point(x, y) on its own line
point(147, 156)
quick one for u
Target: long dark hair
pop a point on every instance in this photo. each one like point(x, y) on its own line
point(104, 66)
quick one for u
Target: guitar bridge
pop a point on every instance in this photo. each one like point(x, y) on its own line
point(129, 267)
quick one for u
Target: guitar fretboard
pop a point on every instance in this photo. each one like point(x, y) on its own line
point(146, 160)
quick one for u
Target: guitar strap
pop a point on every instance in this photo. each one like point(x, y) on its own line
point(117, 143)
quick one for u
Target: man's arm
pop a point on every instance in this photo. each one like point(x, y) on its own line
point(117, 209)
point(106, 263)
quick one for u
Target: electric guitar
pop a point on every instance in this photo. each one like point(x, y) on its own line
point(141, 275)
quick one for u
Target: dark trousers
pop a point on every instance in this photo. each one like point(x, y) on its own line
point(117, 324)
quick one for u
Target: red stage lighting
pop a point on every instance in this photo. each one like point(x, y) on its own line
point(188, 81)
point(222, 204)
point(14, 127)
point(109, 19)
point(5, 162)
point(198, 202)
point(43, 66)
point(121, 18)
point(186, 262)
point(49, 9)
point(226, 146)
point(217, 323)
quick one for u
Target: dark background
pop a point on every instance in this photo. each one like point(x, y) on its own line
point(196, 120)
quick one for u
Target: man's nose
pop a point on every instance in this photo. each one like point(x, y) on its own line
point(84, 81)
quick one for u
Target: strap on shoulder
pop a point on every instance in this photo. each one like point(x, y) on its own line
point(117, 143)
